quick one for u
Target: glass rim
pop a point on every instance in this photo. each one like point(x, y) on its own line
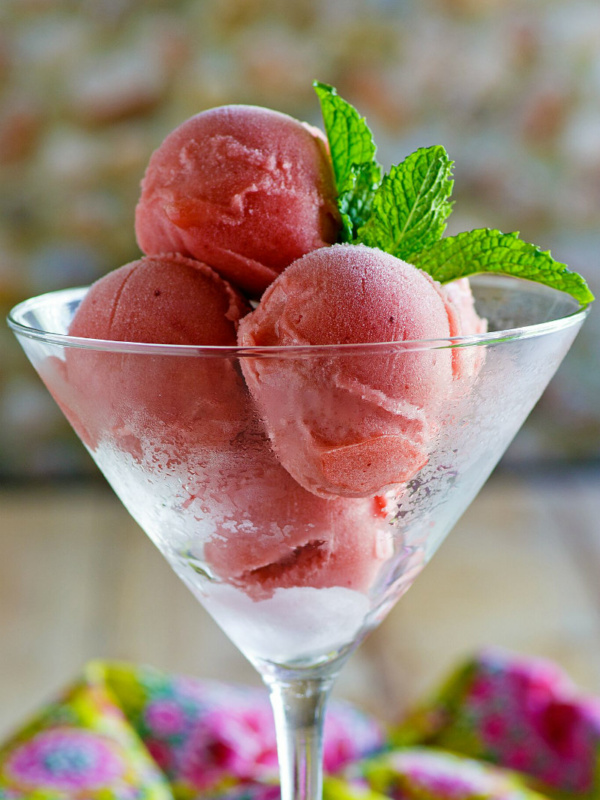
point(153, 348)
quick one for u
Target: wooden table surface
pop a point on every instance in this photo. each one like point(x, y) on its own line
point(79, 580)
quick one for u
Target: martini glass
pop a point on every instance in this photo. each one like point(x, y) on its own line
point(294, 579)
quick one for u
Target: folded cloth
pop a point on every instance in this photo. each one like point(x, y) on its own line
point(522, 713)
point(427, 774)
point(82, 746)
point(131, 733)
point(134, 733)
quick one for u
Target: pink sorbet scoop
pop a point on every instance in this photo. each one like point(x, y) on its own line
point(352, 423)
point(135, 397)
point(244, 189)
point(272, 534)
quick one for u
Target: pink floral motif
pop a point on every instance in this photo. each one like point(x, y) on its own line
point(161, 753)
point(530, 719)
point(164, 718)
point(482, 688)
point(494, 728)
point(520, 758)
point(234, 740)
point(347, 737)
point(559, 725)
point(239, 745)
point(65, 759)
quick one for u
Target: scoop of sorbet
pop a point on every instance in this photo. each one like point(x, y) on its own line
point(244, 189)
point(272, 534)
point(347, 421)
point(133, 397)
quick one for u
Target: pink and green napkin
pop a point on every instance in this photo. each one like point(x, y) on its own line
point(502, 727)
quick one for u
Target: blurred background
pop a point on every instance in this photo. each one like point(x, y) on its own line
point(89, 88)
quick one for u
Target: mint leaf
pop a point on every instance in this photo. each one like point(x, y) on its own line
point(405, 213)
point(357, 173)
point(488, 250)
point(410, 208)
point(355, 203)
point(350, 139)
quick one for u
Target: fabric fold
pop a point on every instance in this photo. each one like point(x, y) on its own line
point(501, 727)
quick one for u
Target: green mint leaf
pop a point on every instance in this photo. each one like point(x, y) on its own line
point(350, 139)
point(357, 173)
point(355, 203)
point(410, 208)
point(405, 213)
point(488, 250)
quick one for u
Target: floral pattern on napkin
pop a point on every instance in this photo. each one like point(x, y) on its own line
point(521, 713)
point(429, 774)
point(82, 747)
point(135, 733)
point(501, 728)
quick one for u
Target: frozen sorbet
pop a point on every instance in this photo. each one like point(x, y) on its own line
point(244, 189)
point(270, 533)
point(352, 422)
point(168, 300)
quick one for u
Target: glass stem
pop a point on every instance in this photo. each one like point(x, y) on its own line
point(299, 709)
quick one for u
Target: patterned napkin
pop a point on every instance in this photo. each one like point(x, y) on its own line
point(502, 727)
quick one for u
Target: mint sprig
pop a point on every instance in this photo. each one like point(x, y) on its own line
point(356, 171)
point(488, 250)
point(410, 208)
point(405, 213)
